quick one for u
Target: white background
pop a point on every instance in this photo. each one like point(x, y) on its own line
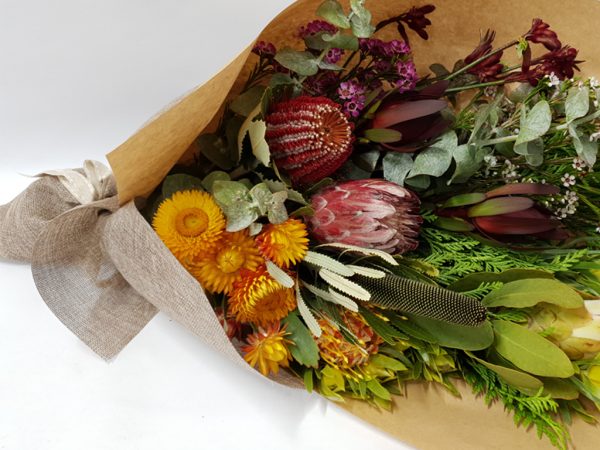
point(77, 77)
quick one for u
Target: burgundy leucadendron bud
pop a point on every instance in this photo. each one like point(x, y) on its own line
point(367, 213)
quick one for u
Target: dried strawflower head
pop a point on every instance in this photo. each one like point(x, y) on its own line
point(189, 223)
point(309, 138)
point(218, 269)
point(285, 243)
point(257, 298)
point(268, 348)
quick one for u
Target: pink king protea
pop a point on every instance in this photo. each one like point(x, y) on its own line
point(367, 213)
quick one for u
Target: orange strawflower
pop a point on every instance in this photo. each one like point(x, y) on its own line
point(285, 243)
point(268, 348)
point(218, 269)
point(258, 298)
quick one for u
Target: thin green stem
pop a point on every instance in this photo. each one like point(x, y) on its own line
point(480, 60)
point(474, 86)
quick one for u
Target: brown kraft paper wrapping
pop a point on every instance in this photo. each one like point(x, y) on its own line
point(427, 417)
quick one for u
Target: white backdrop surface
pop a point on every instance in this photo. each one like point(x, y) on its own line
point(77, 78)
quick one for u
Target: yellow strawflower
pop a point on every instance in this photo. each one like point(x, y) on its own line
point(189, 223)
point(285, 243)
point(268, 349)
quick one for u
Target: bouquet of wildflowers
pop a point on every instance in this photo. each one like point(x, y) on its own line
point(361, 226)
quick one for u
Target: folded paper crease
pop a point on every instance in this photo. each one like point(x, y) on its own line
point(103, 271)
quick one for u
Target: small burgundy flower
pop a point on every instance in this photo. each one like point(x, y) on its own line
point(309, 138)
point(416, 115)
point(264, 49)
point(562, 62)
point(489, 68)
point(504, 214)
point(367, 213)
point(416, 19)
point(540, 33)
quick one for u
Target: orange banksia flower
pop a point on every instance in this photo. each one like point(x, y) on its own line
point(285, 243)
point(189, 223)
point(268, 348)
point(309, 138)
point(218, 269)
point(259, 299)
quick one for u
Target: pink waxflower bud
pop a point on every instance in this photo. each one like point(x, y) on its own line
point(367, 213)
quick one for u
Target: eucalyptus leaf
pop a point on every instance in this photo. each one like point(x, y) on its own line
point(217, 175)
point(360, 19)
point(237, 204)
point(368, 160)
point(534, 123)
point(215, 150)
point(468, 159)
point(578, 103)
point(586, 149)
point(431, 161)
point(332, 12)
point(341, 41)
point(276, 210)
point(396, 166)
point(530, 292)
point(532, 150)
point(529, 351)
point(305, 350)
point(245, 103)
point(456, 336)
point(515, 378)
point(419, 182)
point(303, 63)
point(180, 182)
point(329, 66)
point(262, 196)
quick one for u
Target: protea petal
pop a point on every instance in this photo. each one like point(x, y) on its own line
point(367, 213)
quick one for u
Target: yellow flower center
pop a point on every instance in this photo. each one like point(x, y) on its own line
point(191, 222)
point(230, 260)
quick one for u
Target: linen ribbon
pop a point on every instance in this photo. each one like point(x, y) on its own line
point(101, 269)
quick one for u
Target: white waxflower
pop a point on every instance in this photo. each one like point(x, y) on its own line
point(568, 180)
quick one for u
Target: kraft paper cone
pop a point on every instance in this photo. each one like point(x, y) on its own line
point(427, 417)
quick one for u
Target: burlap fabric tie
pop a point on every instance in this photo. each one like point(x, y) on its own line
point(101, 269)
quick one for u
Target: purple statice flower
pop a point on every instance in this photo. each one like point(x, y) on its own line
point(264, 49)
point(354, 93)
point(396, 48)
point(407, 75)
point(316, 26)
point(322, 83)
point(371, 46)
point(382, 66)
point(352, 108)
point(351, 89)
point(334, 55)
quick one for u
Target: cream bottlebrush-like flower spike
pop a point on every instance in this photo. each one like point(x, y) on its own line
point(367, 213)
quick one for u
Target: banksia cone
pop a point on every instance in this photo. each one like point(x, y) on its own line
point(409, 296)
point(309, 138)
point(368, 213)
